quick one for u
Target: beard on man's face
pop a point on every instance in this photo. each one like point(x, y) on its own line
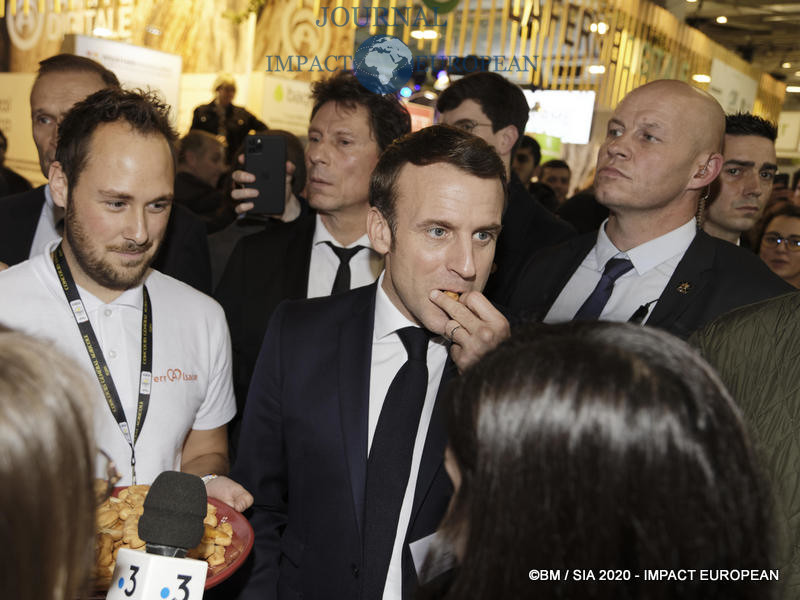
point(93, 261)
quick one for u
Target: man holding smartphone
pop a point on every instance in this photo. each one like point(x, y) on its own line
point(324, 250)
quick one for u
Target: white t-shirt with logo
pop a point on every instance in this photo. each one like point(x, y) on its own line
point(192, 386)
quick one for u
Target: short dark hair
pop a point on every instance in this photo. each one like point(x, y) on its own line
point(556, 163)
point(68, 63)
point(196, 141)
point(531, 144)
point(143, 111)
point(600, 446)
point(431, 145)
point(502, 101)
point(4, 139)
point(388, 118)
point(749, 124)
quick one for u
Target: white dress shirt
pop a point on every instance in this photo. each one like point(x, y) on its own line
point(46, 231)
point(365, 266)
point(654, 262)
point(388, 355)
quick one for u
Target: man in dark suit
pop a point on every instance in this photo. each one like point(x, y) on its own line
point(350, 126)
point(491, 107)
point(344, 473)
point(30, 221)
point(649, 262)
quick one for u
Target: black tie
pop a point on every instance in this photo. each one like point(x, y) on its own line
point(597, 300)
point(342, 281)
point(389, 463)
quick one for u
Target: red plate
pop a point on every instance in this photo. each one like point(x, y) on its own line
point(240, 547)
point(235, 554)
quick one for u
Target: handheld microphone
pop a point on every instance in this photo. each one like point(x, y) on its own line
point(171, 524)
point(174, 509)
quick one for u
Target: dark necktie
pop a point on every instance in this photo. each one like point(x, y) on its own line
point(389, 463)
point(597, 300)
point(342, 281)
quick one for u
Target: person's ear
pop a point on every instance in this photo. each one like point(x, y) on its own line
point(378, 231)
point(59, 188)
point(506, 138)
point(707, 171)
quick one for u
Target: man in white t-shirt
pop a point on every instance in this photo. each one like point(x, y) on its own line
point(158, 349)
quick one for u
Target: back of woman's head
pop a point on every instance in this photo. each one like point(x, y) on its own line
point(600, 446)
point(47, 502)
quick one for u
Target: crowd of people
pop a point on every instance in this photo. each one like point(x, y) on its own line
point(422, 379)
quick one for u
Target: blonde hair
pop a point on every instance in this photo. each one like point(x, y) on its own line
point(223, 79)
point(47, 502)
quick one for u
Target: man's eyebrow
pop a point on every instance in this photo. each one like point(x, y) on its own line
point(739, 163)
point(770, 166)
point(116, 195)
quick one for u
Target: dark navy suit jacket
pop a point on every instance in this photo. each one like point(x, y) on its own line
point(712, 278)
point(303, 452)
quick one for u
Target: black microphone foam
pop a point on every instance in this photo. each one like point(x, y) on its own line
point(174, 510)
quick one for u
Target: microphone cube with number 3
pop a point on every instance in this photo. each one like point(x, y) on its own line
point(140, 576)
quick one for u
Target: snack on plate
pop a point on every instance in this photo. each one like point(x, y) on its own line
point(118, 527)
point(453, 295)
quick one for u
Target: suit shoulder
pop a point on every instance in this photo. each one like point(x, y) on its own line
point(745, 267)
point(329, 307)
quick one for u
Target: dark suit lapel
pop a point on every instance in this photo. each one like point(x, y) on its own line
point(355, 358)
point(298, 253)
point(686, 284)
point(435, 442)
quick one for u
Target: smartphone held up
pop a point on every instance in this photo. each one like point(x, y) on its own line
point(265, 157)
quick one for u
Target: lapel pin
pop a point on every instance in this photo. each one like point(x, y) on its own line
point(683, 288)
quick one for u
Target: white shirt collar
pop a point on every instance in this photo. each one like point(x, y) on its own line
point(650, 254)
point(388, 317)
point(322, 235)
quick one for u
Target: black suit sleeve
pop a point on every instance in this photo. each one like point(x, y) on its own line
point(185, 254)
point(261, 464)
point(230, 293)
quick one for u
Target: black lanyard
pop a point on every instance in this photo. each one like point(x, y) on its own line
point(99, 362)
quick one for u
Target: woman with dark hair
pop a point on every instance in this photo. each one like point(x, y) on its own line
point(780, 243)
point(599, 448)
point(47, 500)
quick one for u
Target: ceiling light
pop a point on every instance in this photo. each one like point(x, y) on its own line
point(692, 1)
point(593, 27)
point(428, 34)
point(793, 89)
point(602, 28)
point(722, 20)
point(701, 78)
point(596, 69)
point(786, 65)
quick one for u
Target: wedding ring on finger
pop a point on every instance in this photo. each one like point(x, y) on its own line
point(453, 331)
